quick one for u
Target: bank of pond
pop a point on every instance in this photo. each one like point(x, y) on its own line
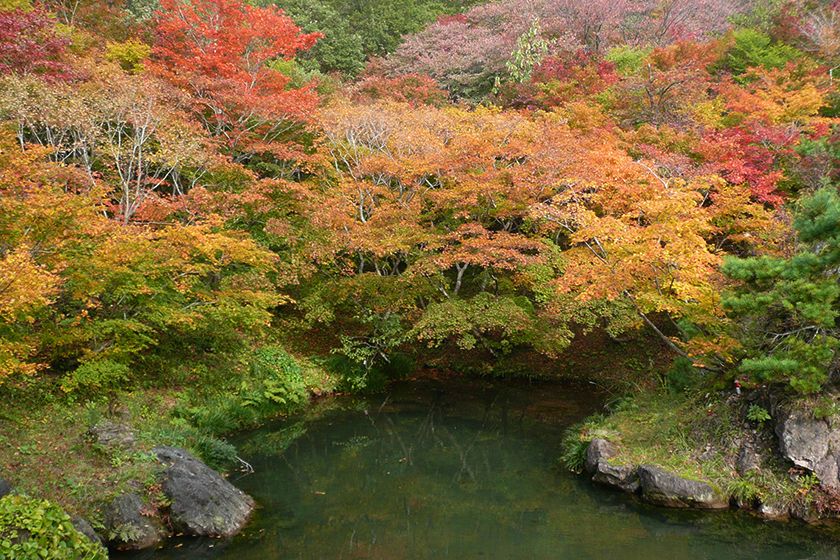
point(459, 468)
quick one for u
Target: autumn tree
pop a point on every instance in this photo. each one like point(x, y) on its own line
point(466, 54)
point(132, 130)
point(445, 221)
point(31, 45)
point(559, 80)
point(27, 286)
point(754, 49)
point(79, 288)
point(748, 156)
point(220, 52)
point(528, 53)
point(410, 88)
point(821, 28)
point(464, 59)
point(354, 31)
point(668, 83)
point(678, 20)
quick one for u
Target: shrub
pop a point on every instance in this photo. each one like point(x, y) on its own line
point(273, 385)
point(128, 54)
point(276, 379)
point(102, 377)
point(755, 49)
point(93, 377)
point(627, 60)
point(682, 376)
point(355, 377)
point(574, 450)
point(217, 453)
point(398, 366)
point(825, 408)
point(9, 5)
point(415, 89)
point(220, 414)
point(31, 528)
point(757, 414)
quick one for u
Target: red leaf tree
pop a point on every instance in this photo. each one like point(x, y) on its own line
point(221, 52)
point(29, 44)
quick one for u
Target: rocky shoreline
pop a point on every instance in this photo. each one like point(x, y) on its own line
point(809, 445)
point(196, 500)
point(200, 502)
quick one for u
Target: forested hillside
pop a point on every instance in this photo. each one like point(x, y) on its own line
point(211, 209)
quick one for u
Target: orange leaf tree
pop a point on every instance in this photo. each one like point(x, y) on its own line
point(493, 228)
point(78, 288)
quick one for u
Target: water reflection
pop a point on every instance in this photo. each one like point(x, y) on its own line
point(462, 470)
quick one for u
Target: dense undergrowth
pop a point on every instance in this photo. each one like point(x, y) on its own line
point(31, 528)
point(47, 450)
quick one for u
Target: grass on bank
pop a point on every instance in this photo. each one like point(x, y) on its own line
point(697, 436)
point(45, 451)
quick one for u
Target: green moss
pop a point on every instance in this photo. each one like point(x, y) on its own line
point(695, 436)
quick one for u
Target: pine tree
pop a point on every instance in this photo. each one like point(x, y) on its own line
point(788, 307)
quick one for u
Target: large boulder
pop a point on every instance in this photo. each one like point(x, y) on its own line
point(810, 443)
point(129, 525)
point(597, 463)
point(667, 489)
point(5, 487)
point(202, 501)
point(112, 435)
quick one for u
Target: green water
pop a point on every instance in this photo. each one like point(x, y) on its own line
point(461, 470)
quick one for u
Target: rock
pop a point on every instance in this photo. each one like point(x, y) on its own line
point(598, 450)
point(663, 488)
point(598, 454)
point(82, 526)
point(112, 434)
point(127, 527)
point(623, 477)
point(5, 487)
point(770, 510)
point(203, 503)
point(812, 444)
point(802, 511)
point(708, 453)
point(748, 459)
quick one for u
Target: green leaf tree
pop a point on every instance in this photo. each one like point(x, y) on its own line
point(788, 307)
point(530, 50)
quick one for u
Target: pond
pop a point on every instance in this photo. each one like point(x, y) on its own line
point(464, 470)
